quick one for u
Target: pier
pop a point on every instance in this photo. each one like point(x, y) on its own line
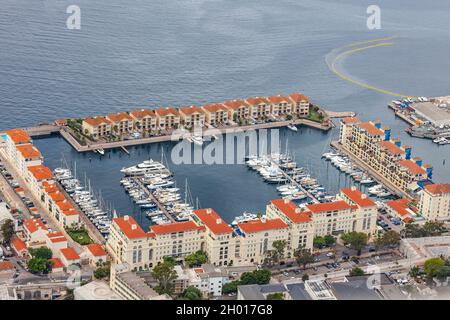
point(42, 130)
point(92, 146)
point(339, 114)
point(159, 204)
point(298, 185)
point(377, 176)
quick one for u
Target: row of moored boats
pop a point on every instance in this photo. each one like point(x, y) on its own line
point(97, 211)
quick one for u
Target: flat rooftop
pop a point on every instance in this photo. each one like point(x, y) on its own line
point(431, 112)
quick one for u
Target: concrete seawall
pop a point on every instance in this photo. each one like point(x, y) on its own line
point(134, 142)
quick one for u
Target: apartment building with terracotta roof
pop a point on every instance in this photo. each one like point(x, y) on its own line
point(220, 244)
point(15, 138)
point(121, 122)
point(216, 114)
point(280, 105)
point(300, 104)
point(167, 118)
point(371, 143)
point(26, 155)
point(259, 107)
point(434, 203)
point(97, 127)
point(256, 238)
point(238, 110)
point(192, 116)
point(145, 120)
point(299, 221)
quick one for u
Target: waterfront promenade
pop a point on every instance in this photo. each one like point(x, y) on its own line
point(377, 176)
point(64, 132)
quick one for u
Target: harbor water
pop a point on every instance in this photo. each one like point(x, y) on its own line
point(159, 53)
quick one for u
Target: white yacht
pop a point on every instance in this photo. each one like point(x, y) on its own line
point(292, 127)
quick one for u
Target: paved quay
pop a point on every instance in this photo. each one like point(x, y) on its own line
point(389, 185)
point(134, 142)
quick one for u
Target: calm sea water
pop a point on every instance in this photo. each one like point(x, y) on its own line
point(140, 53)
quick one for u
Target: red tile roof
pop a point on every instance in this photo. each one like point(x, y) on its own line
point(215, 107)
point(391, 147)
point(6, 265)
point(142, 113)
point(175, 227)
point(257, 100)
point(400, 206)
point(65, 205)
point(96, 121)
point(412, 167)
point(56, 263)
point(57, 196)
point(29, 151)
point(190, 110)
point(235, 104)
point(259, 225)
point(40, 172)
point(358, 197)
point(213, 221)
point(298, 97)
point(278, 99)
point(129, 227)
point(119, 116)
point(371, 129)
point(56, 237)
point(70, 254)
point(438, 189)
point(18, 136)
point(18, 245)
point(292, 211)
point(166, 111)
point(33, 225)
point(96, 250)
point(328, 206)
point(351, 120)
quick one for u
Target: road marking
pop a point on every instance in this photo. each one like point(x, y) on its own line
point(332, 67)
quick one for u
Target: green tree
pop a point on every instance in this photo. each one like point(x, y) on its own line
point(305, 277)
point(42, 253)
point(443, 273)
point(279, 247)
point(39, 265)
point(303, 257)
point(433, 228)
point(101, 272)
point(192, 293)
point(230, 287)
point(319, 242)
point(165, 274)
point(356, 272)
point(196, 259)
point(329, 240)
point(432, 266)
point(391, 238)
point(275, 296)
point(256, 277)
point(357, 240)
point(7, 230)
point(414, 272)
